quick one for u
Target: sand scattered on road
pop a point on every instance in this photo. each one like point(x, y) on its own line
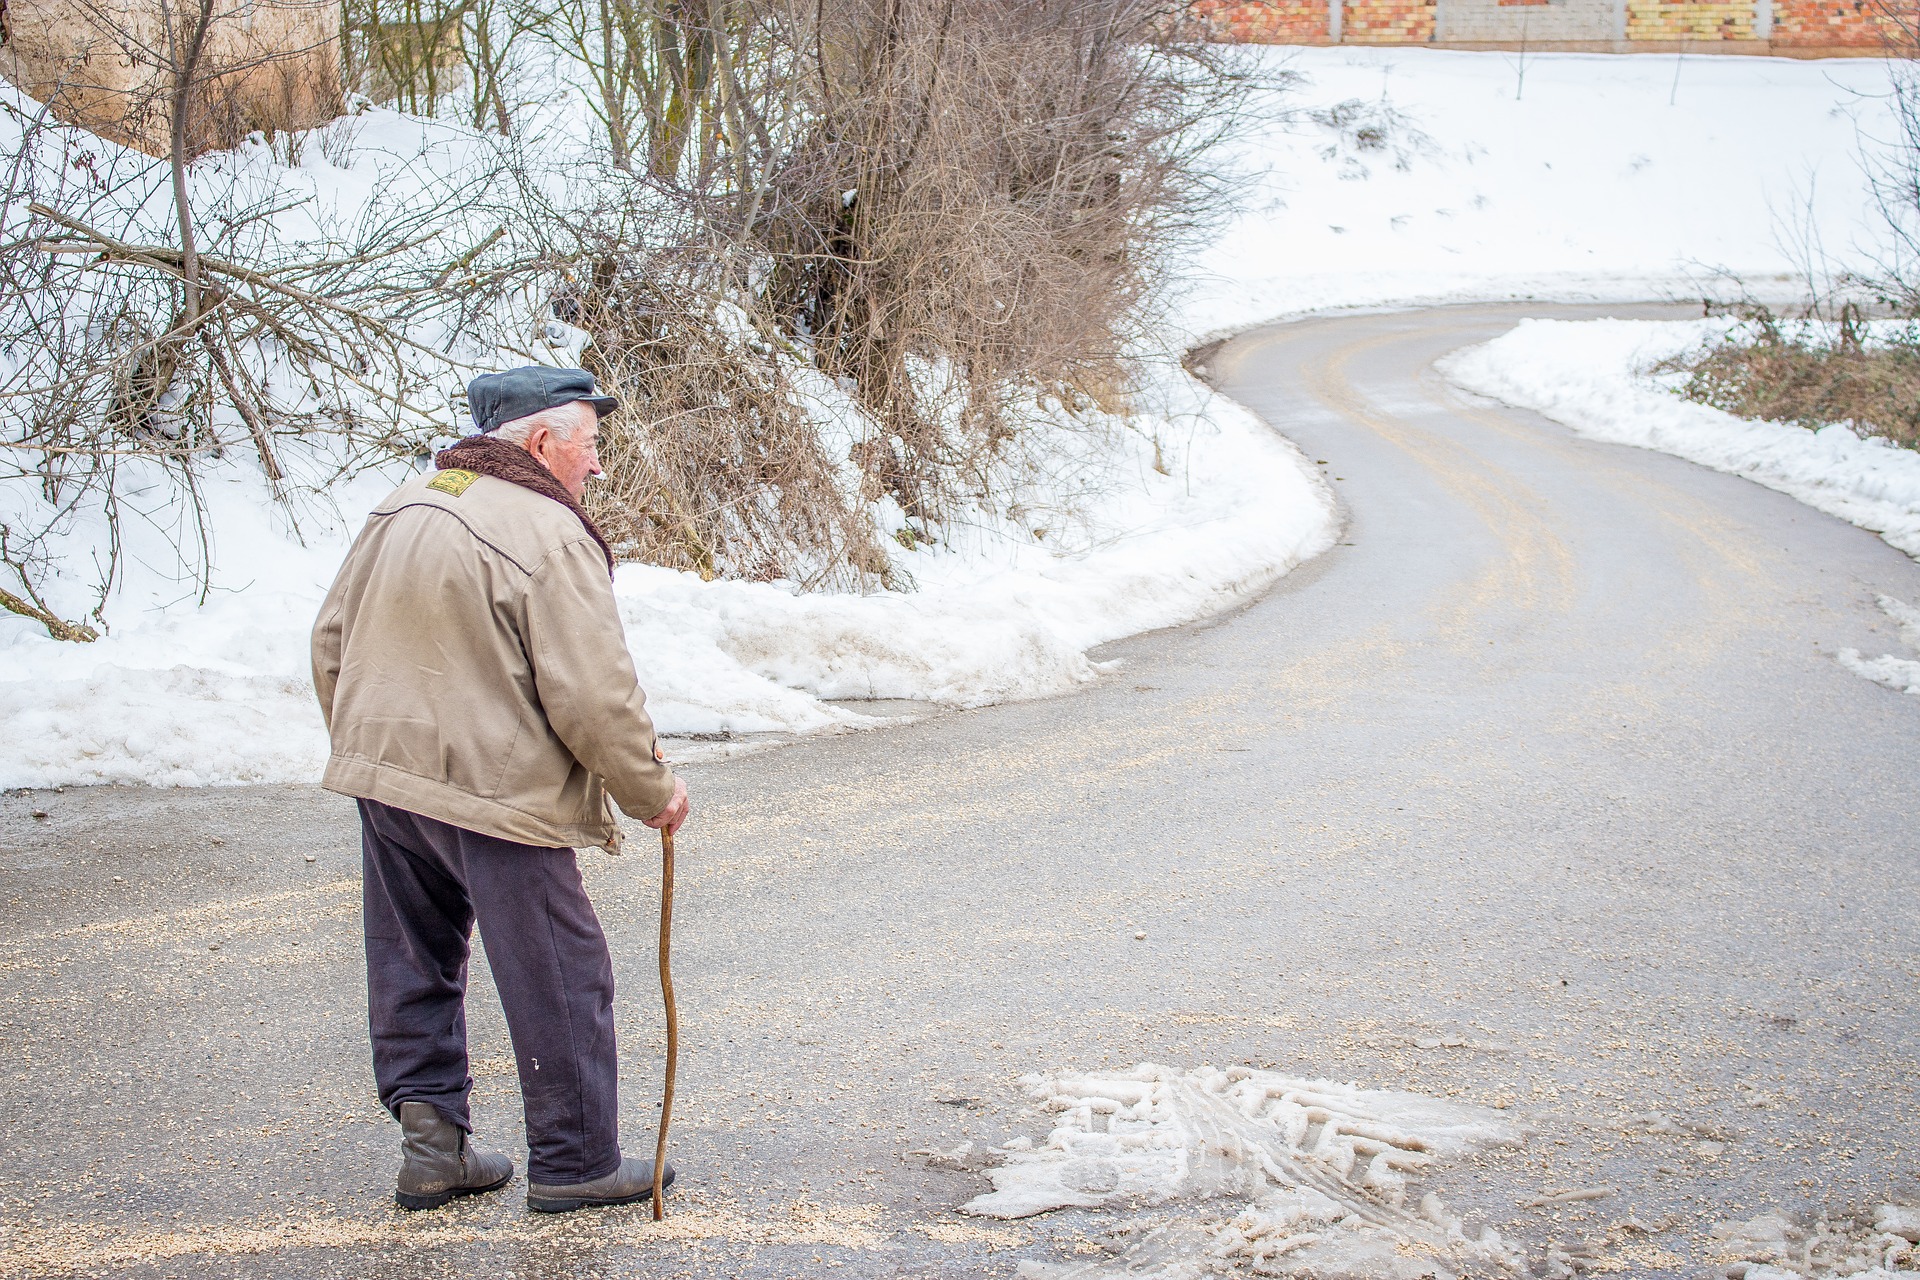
point(36, 1250)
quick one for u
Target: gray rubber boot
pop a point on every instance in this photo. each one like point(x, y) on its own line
point(439, 1164)
point(632, 1181)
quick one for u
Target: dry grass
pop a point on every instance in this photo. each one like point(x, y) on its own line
point(1811, 374)
point(979, 207)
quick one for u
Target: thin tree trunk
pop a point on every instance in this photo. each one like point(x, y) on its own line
point(186, 69)
point(611, 92)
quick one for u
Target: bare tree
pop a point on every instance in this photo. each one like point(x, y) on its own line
point(668, 78)
point(150, 306)
point(1893, 164)
point(411, 53)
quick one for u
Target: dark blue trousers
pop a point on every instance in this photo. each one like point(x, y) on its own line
point(427, 883)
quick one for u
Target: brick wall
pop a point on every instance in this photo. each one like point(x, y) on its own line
point(1309, 22)
point(1265, 21)
point(1684, 20)
point(1527, 21)
point(1828, 23)
point(1387, 22)
point(1824, 25)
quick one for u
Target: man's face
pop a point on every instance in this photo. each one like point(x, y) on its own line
point(574, 459)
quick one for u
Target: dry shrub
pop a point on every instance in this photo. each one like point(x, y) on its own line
point(1810, 374)
point(714, 466)
point(978, 208)
point(949, 207)
point(116, 391)
point(1826, 363)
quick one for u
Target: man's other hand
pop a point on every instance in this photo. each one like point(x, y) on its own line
point(676, 811)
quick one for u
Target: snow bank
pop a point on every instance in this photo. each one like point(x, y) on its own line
point(180, 693)
point(997, 615)
point(1589, 374)
point(1099, 528)
point(1294, 1175)
point(1401, 176)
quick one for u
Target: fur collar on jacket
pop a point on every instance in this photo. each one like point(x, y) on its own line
point(490, 456)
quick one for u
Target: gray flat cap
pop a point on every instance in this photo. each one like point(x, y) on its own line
point(496, 399)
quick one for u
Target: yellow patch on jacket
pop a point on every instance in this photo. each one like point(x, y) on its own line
point(454, 482)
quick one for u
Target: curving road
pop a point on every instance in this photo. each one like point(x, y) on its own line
point(1548, 760)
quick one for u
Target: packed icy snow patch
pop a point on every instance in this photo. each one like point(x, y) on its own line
point(1774, 1245)
point(1899, 674)
point(1592, 376)
point(1285, 1174)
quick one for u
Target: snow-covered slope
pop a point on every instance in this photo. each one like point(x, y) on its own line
point(182, 693)
point(1395, 176)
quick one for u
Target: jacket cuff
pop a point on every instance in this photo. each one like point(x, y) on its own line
point(651, 794)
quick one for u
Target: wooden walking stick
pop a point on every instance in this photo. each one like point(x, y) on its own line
point(673, 1021)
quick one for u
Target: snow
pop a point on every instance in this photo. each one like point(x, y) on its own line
point(1591, 375)
point(1902, 675)
point(1101, 527)
point(1388, 177)
point(1000, 617)
point(1284, 1174)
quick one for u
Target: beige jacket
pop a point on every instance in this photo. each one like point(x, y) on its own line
point(471, 667)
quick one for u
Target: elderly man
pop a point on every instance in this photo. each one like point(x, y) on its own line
point(483, 708)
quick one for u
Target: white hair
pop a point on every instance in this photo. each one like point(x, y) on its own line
point(562, 419)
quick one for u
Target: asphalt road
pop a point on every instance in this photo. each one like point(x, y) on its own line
point(1549, 758)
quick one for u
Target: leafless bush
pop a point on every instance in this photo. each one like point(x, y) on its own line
point(719, 465)
point(136, 344)
point(721, 469)
point(425, 55)
point(1811, 373)
point(950, 207)
point(1364, 130)
point(978, 208)
point(1826, 361)
point(405, 52)
point(1893, 163)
